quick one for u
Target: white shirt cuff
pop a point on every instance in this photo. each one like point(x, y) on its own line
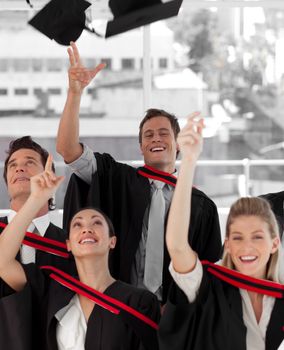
point(189, 282)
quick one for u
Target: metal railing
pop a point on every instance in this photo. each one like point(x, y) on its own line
point(245, 163)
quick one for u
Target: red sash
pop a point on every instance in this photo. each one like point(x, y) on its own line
point(241, 281)
point(152, 173)
point(45, 244)
point(111, 304)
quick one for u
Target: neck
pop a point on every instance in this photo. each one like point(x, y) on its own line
point(95, 274)
point(166, 168)
point(17, 203)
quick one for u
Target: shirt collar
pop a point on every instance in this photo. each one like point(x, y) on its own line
point(175, 173)
point(41, 222)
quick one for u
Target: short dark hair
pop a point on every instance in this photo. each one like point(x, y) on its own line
point(28, 143)
point(111, 231)
point(154, 112)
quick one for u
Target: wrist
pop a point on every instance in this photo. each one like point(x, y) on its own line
point(75, 93)
point(36, 200)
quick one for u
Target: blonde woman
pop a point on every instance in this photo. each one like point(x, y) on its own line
point(238, 305)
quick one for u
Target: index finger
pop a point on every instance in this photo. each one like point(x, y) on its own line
point(48, 164)
point(193, 116)
point(76, 52)
point(71, 57)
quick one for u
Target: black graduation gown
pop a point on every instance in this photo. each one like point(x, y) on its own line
point(105, 330)
point(44, 258)
point(124, 195)
point(276, 201)
point(16, 320)
point(214, 320)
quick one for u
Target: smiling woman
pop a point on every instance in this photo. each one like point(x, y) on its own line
point(236, 306)
point(92, 312)
point(252, 239)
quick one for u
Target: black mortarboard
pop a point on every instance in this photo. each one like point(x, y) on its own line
point(130, 14)
point(61, 20)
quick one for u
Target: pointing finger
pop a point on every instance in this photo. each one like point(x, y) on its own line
point(48, 164)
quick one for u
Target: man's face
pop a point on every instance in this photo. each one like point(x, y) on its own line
point(22, 165)
point(158, 144)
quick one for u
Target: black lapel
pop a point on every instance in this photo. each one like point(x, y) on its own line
point(275, 328)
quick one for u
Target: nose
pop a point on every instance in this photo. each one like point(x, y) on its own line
point(20, 168)
point(247, 244)
point(156, 137)
point(87, 230)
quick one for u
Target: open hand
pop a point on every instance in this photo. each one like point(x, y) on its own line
point(79, 75)
point(190, 138)
point(45, 184)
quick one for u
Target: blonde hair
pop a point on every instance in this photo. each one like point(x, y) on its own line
point(255, 206)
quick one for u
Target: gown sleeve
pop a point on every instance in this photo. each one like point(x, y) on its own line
point(144, 336)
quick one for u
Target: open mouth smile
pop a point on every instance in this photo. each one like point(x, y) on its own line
point(88, 241)
point(157, 149)
point(248, 258)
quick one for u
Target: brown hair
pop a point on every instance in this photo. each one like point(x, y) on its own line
point(152, 113)
point(28, 143)
point(255, 206)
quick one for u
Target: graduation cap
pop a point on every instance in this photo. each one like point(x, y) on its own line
point(62, 20)
point(130, 14)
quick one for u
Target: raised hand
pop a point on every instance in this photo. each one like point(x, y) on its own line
point(45, 184)
point(79, 75)
point(190, 138)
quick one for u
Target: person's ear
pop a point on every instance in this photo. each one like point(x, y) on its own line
point(227, 246)
point(68, 245)
point(275, 245)
point(113, 240)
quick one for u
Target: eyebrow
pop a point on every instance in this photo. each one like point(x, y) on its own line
point(160, 129)
point(13, 160)
point(81, 217)
point(240, 233)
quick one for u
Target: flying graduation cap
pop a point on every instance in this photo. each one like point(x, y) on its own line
point(130, 14)
point(62, 20)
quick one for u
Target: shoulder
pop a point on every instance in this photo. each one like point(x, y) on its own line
point(56, 232)
point(106, 161)
point(273, 197)
point(202, 199)
point(134, 296)
point(4, 219)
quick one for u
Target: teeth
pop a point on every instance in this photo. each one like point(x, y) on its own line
point(157, 149)
point(248, 258)
point(88, 240)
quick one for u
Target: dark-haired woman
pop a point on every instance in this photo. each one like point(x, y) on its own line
point(94, 312)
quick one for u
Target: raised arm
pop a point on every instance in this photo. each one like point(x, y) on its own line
point(190, 142)
point(43, 186)
point(68, 132)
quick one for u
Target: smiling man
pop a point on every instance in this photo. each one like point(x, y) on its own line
point(136, 200)
point(26, 158)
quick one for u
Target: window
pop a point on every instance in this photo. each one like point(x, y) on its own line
point(37, 91)
point(4, 65)
point(108, 62)
point(163, 63)
point(93, 93)
point(54, 91)
point(21, 64)
point(20, 92)
point(127, 63)
point(54, 64)
point(37, 65)
point(3, 92)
